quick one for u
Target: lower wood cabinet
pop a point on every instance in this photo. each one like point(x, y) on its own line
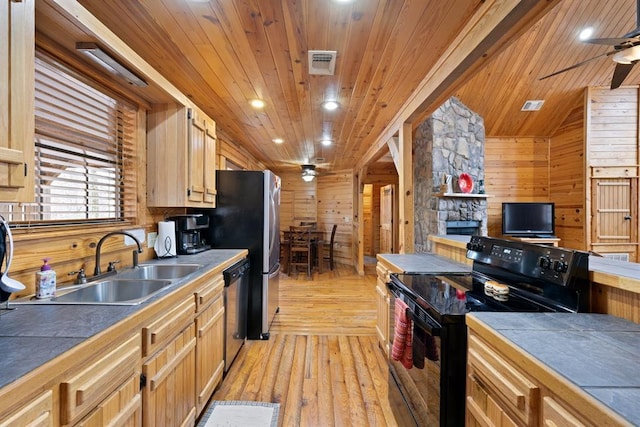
point(382, 306)
point(493, 382)
point(104, 377)
point(37, 413)
point(209, 349)
point(163, 375)
point(168, 399)
point(122, 408)
point(500, 393)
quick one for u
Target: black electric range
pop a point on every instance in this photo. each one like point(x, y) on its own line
point(507, 275)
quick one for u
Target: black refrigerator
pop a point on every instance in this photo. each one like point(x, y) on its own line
point(247, 216)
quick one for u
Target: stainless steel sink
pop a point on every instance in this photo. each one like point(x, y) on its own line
point(115, 291)
point(160, 271)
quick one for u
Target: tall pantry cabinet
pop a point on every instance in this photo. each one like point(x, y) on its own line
point(17, 41)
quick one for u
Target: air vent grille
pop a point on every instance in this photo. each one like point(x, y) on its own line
point(532, 105)
point(617, 257)
point(322, 62)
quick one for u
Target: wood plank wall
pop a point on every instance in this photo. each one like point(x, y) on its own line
point(326, 200)
point(613, 161)
point(367, 220)
point(229, 151)
point(612, 126)
point(567, 178)
point(516, 170)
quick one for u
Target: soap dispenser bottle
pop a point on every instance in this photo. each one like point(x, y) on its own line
point(45, 281)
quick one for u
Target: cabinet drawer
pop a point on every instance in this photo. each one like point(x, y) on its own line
point(509, 385)
point(554, 414)
point(37, 413)
point(167, 327)
point(207, 293)
point(122, 408)
point(383, 273)
point(99, 379)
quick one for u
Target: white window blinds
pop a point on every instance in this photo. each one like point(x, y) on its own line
point(85, 153)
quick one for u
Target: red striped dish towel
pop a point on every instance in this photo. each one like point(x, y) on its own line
point(402, 335)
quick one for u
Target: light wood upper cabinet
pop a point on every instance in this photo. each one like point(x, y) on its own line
point(181, 152)
point(17, 50)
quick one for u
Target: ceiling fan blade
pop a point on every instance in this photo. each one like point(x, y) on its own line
point(579, 64)
point(620, 73)
point(613, 41)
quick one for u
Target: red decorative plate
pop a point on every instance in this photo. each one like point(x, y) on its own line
point(465, 182)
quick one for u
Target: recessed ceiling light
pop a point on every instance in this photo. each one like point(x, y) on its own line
point(257, 103)
point(278, 140)
point(585, 34)
point(326, 142)
point(330, 105)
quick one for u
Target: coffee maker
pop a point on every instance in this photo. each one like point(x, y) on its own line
point(189, 229)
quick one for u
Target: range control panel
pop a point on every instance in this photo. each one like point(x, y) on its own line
point(546, 263)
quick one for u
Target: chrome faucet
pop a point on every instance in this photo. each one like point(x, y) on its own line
point(96, 270)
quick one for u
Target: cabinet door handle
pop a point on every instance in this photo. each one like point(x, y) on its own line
point(628, 217)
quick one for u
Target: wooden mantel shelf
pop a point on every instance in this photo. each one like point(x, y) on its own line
point(463, 195)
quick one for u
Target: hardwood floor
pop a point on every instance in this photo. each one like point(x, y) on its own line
point(322, 362)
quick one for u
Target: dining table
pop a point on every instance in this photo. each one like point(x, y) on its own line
point(317, 247)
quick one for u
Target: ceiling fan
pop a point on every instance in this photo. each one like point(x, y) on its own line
point(309, 172)
point(626, 53)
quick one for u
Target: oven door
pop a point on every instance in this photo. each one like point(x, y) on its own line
point(414, 393)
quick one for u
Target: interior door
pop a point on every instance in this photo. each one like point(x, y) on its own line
point(386, 219)
point(615, 217)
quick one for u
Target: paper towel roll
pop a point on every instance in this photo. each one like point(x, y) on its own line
point(165, 245)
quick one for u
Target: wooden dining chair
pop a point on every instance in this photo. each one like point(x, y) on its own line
point(300, 253)
point(327, 249)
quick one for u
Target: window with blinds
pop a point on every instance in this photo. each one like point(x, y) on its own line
point(84, 153)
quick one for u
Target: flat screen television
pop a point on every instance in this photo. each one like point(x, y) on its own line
point(528, 219)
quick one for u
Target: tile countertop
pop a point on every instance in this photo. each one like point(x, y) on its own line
point(598, 353)
point(31, 335)
point(424, 263)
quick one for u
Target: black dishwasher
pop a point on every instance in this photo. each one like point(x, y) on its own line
point(236, 301)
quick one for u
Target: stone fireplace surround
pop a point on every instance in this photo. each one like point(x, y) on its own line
point(450, 141)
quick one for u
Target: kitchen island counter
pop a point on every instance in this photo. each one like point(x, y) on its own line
point(595, 355)
point(423, 263)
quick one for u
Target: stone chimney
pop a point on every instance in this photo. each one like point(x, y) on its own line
point(450, 141)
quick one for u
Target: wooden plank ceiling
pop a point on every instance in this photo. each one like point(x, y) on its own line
point(222, 53)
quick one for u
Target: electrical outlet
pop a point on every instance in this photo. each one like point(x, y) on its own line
point(151, 239)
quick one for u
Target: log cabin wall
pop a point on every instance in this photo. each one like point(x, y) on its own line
point(231, 152)
point(567, 180)
point(326, 200)
point(516, 170)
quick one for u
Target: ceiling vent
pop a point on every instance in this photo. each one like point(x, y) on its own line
point(532, 105)
point(322, 62)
